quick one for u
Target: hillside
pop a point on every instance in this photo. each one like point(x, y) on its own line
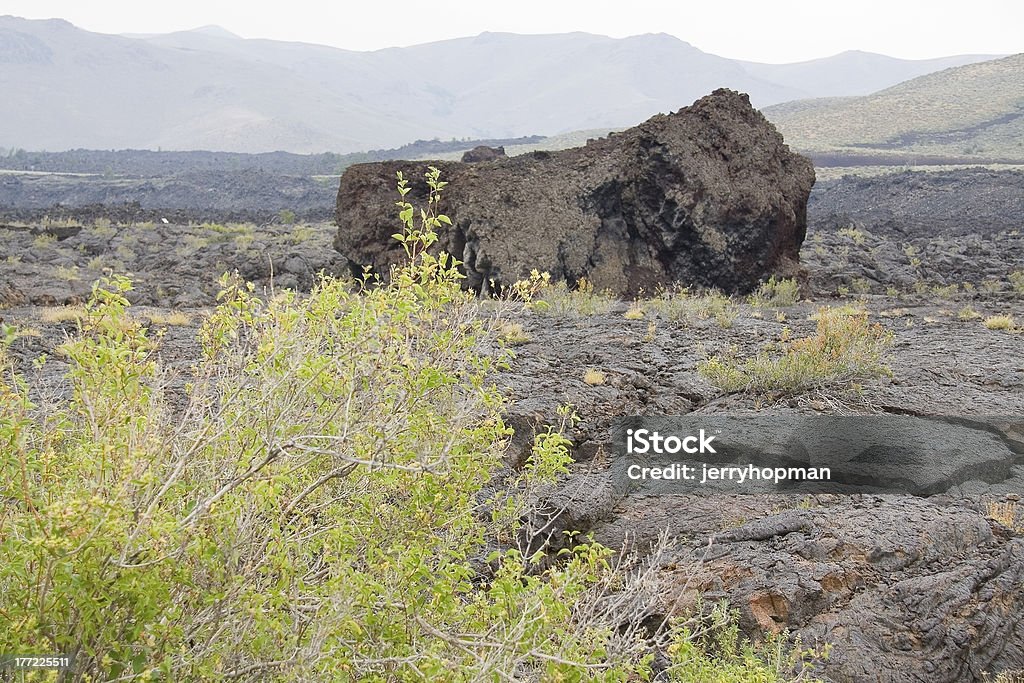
point(67, 88)
point(861, 73)
point(972, 111)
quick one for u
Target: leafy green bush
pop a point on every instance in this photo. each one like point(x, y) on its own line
point(708, 648)
point(845, 348)
point(311, 512)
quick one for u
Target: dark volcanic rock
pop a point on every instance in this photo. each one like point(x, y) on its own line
point(907, 589)
point(483, 153)
point(227, 196)
point(915, 230)
point(709, 195)
point(974, 201)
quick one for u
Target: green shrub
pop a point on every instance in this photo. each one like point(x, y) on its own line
point(776, 293)
point(529, 289)
point(1017, 281)
point(845, 348)
point(312, 513)
point(681, 305)
point(708, 648)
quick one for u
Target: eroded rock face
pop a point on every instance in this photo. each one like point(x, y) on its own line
point(709, 195)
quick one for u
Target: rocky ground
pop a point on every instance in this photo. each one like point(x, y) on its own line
point(173, 266)
point(905, 588)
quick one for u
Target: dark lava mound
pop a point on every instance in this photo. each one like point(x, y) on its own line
point(709, 195)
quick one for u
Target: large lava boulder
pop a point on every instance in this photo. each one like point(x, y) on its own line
point(484, 153)
point(709, 196)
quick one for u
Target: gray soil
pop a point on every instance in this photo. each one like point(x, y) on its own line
point(250, 195)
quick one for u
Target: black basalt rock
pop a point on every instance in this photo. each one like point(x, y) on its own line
point(709, 195)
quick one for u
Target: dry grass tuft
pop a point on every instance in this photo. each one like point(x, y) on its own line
point(683, 306)
point(513, 334)
point(62, 314)
point(634, 312)
point(845, 349)
point(1005, 514)
point(170, 318)
point(1000, 322)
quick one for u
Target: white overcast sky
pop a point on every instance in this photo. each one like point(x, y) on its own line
point(759, 30)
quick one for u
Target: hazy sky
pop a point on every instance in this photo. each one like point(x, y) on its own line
point(760, 30)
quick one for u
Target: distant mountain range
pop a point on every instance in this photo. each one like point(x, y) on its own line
point(971, 112)
point(66, 88)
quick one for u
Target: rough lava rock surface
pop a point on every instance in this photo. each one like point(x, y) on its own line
point(709, 195)
point(907, 589)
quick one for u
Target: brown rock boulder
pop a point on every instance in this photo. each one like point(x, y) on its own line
point(483, 153)
point(709, 196)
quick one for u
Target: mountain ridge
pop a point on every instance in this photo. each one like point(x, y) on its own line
point(970, 110)
point(206, 88)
